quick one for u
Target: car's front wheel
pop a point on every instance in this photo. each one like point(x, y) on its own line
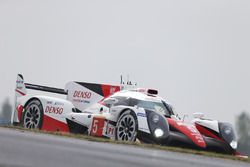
point(127, 127)
point(33, 115)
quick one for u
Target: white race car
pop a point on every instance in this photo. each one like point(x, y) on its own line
point(117, 113)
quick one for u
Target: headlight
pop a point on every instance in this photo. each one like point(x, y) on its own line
point(156, 118)
point(158, 125)
point(227, 133)
point(228, 130)
point(158, 132)
point(234, 144)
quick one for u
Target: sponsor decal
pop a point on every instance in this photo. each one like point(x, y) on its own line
point(19, 84)
point(81, 94)
point(59, 103)
point(140, 114)
point(113, 111)
point(81, 101)
point(54, 110)
point(49, 102)
point(110, 130)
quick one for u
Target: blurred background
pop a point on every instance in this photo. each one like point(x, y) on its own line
point(196, 52)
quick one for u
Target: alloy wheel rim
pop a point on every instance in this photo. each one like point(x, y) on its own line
point(126, 128)
point(32, 117)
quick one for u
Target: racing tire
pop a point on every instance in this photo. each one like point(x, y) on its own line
point(126, 127)
point(33, 115)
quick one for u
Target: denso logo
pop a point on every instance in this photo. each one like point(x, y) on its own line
point(81, 94)
point(54, 110)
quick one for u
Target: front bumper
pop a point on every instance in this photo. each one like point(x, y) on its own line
point(180, 140)
point(218, 146)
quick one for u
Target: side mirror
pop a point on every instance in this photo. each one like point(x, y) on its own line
point(185, 116)
point(198, 115)
point(110, 101)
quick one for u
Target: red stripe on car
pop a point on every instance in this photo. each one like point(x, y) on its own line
point(51, 124)
point(188, 130)
point(21, 93)
point(19, 112)
point(206, 132)
point(108, 90)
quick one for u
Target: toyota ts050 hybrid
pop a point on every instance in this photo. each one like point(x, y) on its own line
point(118, 113)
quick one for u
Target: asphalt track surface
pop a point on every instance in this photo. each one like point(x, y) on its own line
point(28, 149)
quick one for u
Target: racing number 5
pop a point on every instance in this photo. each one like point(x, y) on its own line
point(97, 126)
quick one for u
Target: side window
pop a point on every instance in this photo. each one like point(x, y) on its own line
point(169, 108)
point(133, 102)
point(146, 104)
point(122, 101)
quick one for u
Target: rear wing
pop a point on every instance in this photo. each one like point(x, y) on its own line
point(45, 89)
point(21, 87)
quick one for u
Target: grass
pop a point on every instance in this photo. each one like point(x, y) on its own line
point(136, 144)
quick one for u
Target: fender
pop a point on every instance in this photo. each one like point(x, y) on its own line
point(55, 112)
point(55, 107)
point(140, 113)
point(188, 130)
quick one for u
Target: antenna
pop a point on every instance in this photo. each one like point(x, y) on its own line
point(128, 83)
point(127, 79)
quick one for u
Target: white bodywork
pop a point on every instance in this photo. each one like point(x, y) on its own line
point(211, 124)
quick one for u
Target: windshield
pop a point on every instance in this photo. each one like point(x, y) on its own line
point(160, 107)
point(170, 108)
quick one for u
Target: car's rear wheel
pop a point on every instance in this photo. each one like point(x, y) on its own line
point(127, 127)
point(33, 115)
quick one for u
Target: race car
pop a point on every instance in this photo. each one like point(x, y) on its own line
point(119, 112)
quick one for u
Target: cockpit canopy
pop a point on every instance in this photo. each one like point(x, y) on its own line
point(155, 103)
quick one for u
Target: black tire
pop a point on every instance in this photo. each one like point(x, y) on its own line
point(126, 127)
point(33, 115)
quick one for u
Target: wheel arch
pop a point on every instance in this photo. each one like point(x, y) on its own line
point(131, 113)
point(24, 111)
point(124, 110)
point(25, 105)
point(31, 99)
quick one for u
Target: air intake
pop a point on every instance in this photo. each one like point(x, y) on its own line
point(152, 91)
